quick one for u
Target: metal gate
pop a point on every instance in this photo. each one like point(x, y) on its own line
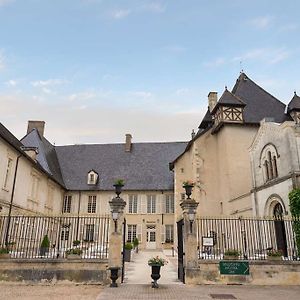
point(123, 251)
point(180, 248)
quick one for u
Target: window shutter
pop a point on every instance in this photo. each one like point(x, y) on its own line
point(163, 233)
point(163, 204)
point(139, 232)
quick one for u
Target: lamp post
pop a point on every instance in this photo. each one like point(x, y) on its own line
point(117, 206)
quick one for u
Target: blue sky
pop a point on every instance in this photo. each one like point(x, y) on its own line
point(97, 69)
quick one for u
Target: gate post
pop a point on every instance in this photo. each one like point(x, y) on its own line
point(117, 206)
point(189, 207)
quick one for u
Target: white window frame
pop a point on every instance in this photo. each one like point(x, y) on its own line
point(89, 232)
point(92, 204)
point(151, 204)
point(131, 232)
point(133, 204)
point(169, 232)
point(170, 204)
point(67, 204)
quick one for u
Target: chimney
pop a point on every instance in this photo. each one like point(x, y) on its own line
point(128, 142)
point(193, 133)
point(212, 100)
point(38, 125)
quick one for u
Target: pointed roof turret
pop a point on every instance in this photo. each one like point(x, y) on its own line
point(294, 103)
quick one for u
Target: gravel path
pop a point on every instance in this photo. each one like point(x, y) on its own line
point(49, 292)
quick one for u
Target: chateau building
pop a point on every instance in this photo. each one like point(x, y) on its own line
point(244, 160)
point(239, 161)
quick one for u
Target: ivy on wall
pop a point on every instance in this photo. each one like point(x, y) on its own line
point(294, 197)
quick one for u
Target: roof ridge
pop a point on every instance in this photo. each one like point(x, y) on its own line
point(109, 144)
point(248, 78)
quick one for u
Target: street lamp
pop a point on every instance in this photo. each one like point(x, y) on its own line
point(191, 217)
point(115, 217)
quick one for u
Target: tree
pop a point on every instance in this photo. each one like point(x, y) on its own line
point(294, 197)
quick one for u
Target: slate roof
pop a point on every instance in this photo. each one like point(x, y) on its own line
point(10, 138)
point(46, 156)
point(259, 103)
point(207, 119)
point(294, 103)
point(146, 167)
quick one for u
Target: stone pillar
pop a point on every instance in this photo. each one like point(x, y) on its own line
point(189, 207)
point(115, 235)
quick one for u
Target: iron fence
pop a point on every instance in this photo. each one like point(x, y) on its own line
point(55, 236)
point(251, 239)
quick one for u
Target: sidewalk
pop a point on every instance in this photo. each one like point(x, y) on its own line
point(138, 272)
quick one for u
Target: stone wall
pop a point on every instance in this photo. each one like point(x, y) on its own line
point(53, 271)
point(261, 273)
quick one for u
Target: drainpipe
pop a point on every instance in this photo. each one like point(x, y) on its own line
point(11, 201)
point(78, 212)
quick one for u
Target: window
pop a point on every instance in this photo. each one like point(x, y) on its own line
point(131, 233)
point(269, 160)
point(151, 204)
point(89, 232)
point(7, 173)
point(67, 204)
point(169, 204)
point(169, 237)
point(182, 170)
point(92, 204)
point(133, 204)
point(92, 177)
point(182, 196)
point(65, 232)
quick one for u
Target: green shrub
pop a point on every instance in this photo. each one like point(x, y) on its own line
point(128, 246)
point(119, 182)
point(232, 252)
point(76, 243)
point(4, 251)
point(294, 197)
point(135, 242)
point(76, 251)
point(45, 242)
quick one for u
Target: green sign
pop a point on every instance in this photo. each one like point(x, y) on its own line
point(234, 267)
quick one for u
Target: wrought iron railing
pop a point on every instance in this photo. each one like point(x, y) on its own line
point(23, 236)
point(250, 238)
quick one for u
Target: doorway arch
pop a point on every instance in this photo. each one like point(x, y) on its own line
point(280, 233)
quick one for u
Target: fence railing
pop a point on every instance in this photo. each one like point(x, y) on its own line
point(251, 239)
point(55, 237)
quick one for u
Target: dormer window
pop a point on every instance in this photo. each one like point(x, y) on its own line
point(92, 177)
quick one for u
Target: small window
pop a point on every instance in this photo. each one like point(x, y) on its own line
point(269, 161)
point(151, 204)
point(92, 177)
point(131, 233)
point(182, 196)
point(65, 232)
point(182, 170)
point(67, 204)
point(89, 232)
point(169, 237)
point(133, 204)
point(92, 204)
point(169, 204)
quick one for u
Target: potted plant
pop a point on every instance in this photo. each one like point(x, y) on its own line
point(188, 186)
point(156, 263)
point(44, 249)
point(136, 244)
point(4, 253)
point(232, 254)
point(274, 254)
point(127, 251)
point(119, 183)
point(74, 253)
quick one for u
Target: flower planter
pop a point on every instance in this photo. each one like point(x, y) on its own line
point(276, 258)
point(188, 190)
point(114, 274)
point(231, 257)
point(118, 188)
point(155, 275)
point(73, 256)
point(127, 255)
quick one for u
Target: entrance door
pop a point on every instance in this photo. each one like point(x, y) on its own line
point(180, 251)
point(151, 237)
point(280, 229)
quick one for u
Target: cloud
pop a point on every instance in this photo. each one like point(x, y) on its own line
point(5, 2)
point(121, 14)
point(182, 91)
point(83, 96)
point(269, 55)
point(288, 27)
point(11, 83)
point(2, 60)
point(215, 63)
point(141, 94)
point(49, 82)
point(155, 7)
point(261, 22)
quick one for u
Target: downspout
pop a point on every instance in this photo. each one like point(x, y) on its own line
point(78, 212)
point(11, 201)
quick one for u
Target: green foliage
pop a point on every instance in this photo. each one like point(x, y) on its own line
point(232, 252)
point(157, 261)
point(76, 251)
point(294, 197)
point(128, 246)
point(135, 242)
point(275, 253)
point(119, 182)
point(76, 243)
point(45, 242)
point(4, 250)
point(188, 183)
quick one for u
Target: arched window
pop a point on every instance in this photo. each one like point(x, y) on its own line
point(269, 161)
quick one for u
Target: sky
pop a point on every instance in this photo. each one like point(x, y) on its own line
point(94, 70)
